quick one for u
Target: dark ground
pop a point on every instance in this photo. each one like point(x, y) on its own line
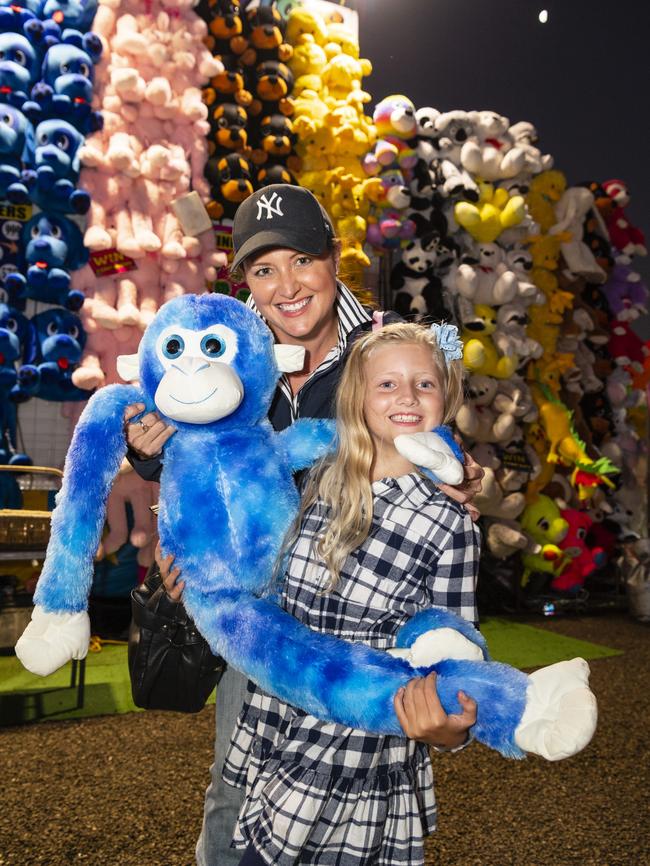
point(128, 790)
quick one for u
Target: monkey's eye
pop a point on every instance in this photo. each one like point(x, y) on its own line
point(11, 325)
point(213, 346)
point(52, 329)
point(174, 346)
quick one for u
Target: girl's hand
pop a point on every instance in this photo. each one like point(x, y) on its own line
point(422, 717)
point(148, 434)
point(468, 488)
point(173, 587)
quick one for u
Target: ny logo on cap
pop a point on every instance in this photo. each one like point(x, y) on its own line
point(266, 205)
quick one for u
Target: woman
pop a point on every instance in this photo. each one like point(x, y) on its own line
point(284, 243)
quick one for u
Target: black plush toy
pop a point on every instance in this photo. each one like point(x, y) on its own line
point(228, 122)
point(231, 181)
point(225, 26)
point(265, 29)
point(228, 85)
point(272, 85)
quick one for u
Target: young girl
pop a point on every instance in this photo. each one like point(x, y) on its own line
point(375, 542)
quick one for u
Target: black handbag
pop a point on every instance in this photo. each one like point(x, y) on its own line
point(170, 664)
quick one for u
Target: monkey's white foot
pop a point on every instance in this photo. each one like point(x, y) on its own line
point(432, 452)
point(561, 712)
point(438, 644)
point(52, 639)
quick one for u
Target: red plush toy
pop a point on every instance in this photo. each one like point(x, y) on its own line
point(625, 237)
point(584, 560)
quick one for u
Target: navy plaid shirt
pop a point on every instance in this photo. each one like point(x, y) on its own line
point(316, 790)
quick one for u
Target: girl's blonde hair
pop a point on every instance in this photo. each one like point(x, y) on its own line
point(342, 480)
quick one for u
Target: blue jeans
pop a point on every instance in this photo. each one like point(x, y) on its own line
point(222, 802)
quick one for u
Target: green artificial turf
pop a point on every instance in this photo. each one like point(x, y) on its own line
point(26, 698)
point(525, 646)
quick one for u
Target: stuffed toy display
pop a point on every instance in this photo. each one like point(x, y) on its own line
point(214, 342)
point(144, 231)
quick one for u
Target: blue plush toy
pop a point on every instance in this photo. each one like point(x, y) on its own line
point(14, 329)
point(208, 365)
point(52, 353)
point(77, 14)
point(52, 246)
point(65, 90)
point(15, 18)
point(16, 153)
point(19, 67)
point(56, 162)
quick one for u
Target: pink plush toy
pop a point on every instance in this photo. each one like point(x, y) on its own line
point(151, 151)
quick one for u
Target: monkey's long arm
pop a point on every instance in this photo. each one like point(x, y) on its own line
point(60, 629)
point(349, 683)
point(93, 460)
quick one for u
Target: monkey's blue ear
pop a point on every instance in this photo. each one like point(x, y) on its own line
point(290, 359)
point(128, 367)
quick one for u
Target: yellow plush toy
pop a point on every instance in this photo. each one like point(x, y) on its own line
point(342, 81)
point(544, 191)
point(307, 64)
point(495, 211)
point(542, 520)
point(479, 353)
point(339, 40)
point(545, 252)
point(303, 24)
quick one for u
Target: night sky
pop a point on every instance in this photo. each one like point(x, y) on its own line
point(583, 78)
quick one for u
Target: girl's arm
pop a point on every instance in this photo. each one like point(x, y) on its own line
point(423, 717)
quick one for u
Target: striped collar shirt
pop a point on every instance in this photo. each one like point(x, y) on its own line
point(350, 314)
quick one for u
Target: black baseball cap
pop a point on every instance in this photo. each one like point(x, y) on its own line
point(280, 215)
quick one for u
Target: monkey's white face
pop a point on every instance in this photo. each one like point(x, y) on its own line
point(199, 384)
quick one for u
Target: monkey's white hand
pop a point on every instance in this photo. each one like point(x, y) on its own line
point(431, 452)
point(52, 639)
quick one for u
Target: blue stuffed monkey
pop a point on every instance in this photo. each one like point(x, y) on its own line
point(208, 365)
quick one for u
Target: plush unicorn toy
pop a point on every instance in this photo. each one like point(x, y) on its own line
point(208, 365)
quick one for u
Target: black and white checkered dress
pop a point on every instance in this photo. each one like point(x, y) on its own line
point(321, 793)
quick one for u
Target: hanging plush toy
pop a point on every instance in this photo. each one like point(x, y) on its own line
point(57, 167)
point(52, 246)
point(208, 364)
point(14, 330)
point(16, 153)
point(52, 354)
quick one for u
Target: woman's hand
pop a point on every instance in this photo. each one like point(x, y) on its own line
point(423, 718)
point(468, 488)
point(173, 587)
point(148, 435)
